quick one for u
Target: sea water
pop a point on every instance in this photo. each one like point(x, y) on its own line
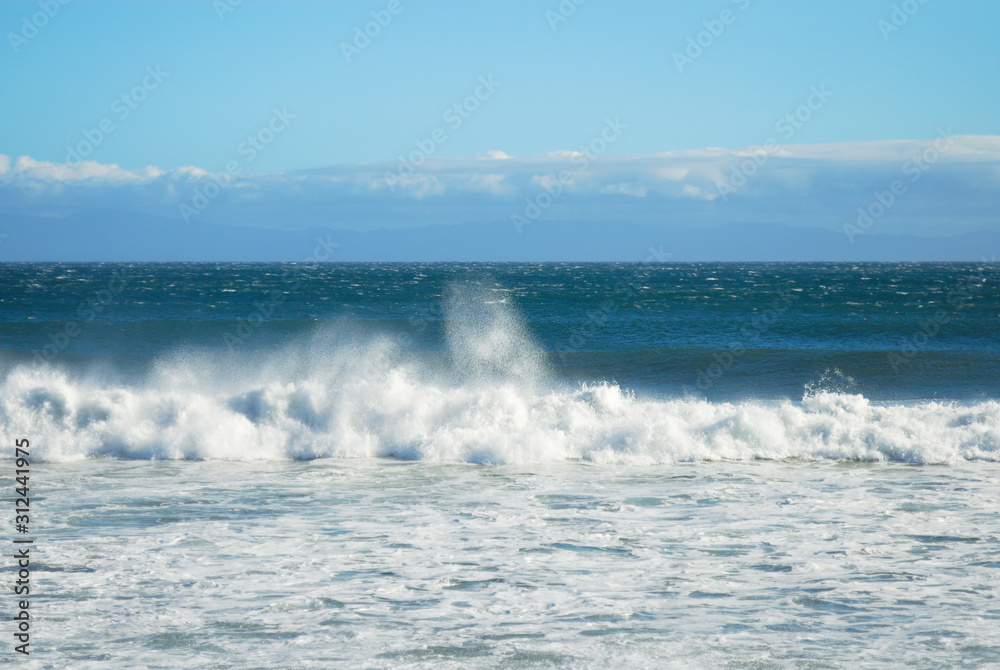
point(506, 465)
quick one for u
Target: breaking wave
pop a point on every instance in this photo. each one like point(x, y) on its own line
point(491, 402)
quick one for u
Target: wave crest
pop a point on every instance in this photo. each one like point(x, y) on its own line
point(491, 402)
point(359, 405)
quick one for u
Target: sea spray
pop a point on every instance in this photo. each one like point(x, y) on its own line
point(365, 406)
point(490, 399)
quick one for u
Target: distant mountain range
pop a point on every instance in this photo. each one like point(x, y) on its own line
point(111, 236)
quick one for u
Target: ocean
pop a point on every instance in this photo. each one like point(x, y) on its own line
point(766, 465)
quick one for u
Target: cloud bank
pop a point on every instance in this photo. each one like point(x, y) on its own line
point(941, 186)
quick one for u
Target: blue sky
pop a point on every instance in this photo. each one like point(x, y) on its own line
point(531, 78)
point(607, 59)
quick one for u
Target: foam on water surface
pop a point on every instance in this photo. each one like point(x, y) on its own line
point(394, 412)
point(385, 564)
point(491, 401)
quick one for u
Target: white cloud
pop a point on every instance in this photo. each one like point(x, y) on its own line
point(551, 181)
point(965, 147)
point(562, 154)
point(673, 173)
point(191, 172)
point(27, 168)
point(695, 192)
point(625, 189)
point(488, 183)
point(421, 186)
point(819, 184)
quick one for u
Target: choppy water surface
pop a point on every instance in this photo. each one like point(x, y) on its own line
point(383, 564)
point(508, 466)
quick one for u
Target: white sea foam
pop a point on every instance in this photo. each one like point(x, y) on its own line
point(492, 403)
point(368, 404)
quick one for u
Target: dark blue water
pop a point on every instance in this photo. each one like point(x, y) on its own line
point(723, 331)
